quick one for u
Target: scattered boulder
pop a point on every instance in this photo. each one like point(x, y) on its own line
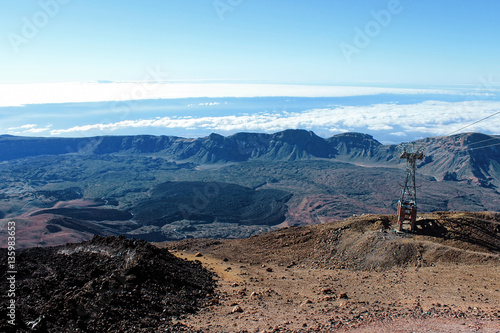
point(307, 301)
point(326, 291)
point(237, 309)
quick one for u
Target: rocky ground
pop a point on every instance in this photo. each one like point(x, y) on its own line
point(104, 285)
point(307, 280)
point(276, 298)
point(355, 275)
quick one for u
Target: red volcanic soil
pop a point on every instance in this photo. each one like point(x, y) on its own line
point(67, 222)
point(355, 275)
point(39, 231)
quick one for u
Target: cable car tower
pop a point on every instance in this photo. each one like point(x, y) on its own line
point(407, 205)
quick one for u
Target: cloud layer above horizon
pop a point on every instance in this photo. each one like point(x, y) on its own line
point(389, 114)
point(431, 118)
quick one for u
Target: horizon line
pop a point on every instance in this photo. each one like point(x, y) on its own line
point(243, 132)
point(17, 95)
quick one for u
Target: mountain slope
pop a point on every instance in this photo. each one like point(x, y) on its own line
point(462, 156)
point(470, 156)
point(166, 188)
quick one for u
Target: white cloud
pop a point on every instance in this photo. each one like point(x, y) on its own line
point(78, 92)
point(430, 117)
point(28, 129)
point(23, 127)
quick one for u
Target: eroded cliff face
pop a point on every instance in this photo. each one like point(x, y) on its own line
point(226, 187)
point(471, 156)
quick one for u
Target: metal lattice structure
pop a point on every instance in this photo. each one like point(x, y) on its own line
point(407, 205)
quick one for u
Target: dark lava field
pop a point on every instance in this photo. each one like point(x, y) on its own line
point(104, 285)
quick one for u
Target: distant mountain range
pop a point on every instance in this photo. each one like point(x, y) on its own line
point(469, 156)
point(161, 188)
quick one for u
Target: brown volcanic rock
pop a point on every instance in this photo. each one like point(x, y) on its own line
point(357, 275)
point(368, 242)
point(107, 284)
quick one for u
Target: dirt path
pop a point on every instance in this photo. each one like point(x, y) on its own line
point(275, 298)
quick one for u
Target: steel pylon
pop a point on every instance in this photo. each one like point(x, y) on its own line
point(407, 205)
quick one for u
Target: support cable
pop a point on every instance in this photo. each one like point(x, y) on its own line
point(476, 143)
point(495, 144)
point(469, 125)
point(473, 123)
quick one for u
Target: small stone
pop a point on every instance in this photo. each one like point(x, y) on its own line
point(269, 269)
point(343, 295)
point(198, 254)
point(326, 299)
point(307, 301)
point(326, 291)
point(236, 309)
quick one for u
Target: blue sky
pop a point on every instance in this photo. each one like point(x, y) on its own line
point(292, 41)
point(366, 66)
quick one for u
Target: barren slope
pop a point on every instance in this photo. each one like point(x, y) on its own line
point(356, 274)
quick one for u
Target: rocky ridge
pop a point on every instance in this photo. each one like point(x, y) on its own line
point(471, 156)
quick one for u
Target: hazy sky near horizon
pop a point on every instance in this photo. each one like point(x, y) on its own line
point(388, 42)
